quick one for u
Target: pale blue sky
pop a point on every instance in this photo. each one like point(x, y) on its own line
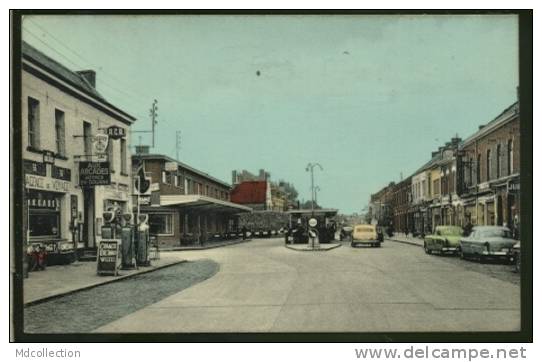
point(368, 97)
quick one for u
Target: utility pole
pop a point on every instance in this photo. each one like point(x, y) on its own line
point(177, 143)
point(310, 167)
point(154, 115)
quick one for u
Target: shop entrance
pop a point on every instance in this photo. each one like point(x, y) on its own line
point(88, 225)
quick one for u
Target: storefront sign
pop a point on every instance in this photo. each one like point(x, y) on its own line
point(109, 257)
point(48, 157)
point(513, 187)
point(94, 173)
point(155, 186)
point(47, 184)
point(170, 166)
point(38, 200)
point(34, 168)
point(61, 173)
point(144, 200)
point(116, 132)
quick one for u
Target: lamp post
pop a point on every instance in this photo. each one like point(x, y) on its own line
point(310, 167)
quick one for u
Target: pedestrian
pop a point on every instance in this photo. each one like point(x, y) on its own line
point(467, 229)
point(406, 232)
point(244, 231)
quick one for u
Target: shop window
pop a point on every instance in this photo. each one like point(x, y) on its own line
point(44, 224)
point(164, 177)
point(33, 123)
point(60, 133)
point(161, 224)
point(488, 165)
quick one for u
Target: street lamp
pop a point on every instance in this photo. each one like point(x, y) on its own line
point(310, 167)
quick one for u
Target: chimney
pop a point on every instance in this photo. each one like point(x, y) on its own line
point(481, 126)
point(89, 75)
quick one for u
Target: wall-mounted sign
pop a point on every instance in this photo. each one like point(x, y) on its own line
point(171, 166)
point(34, 168)
point(116, 132)
point(100, 143)
point(142, 183)
point(46, 184)
point(513, 187)
point(109, 257)
point(145, 200)
point(61, 173)
point(94, 173)
point(48, 157)
point(155, 186)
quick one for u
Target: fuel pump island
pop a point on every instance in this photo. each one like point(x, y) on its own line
point(125, 242)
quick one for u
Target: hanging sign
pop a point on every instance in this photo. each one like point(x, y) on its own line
point(109, 257)
point(94, 173)
point(115, 132)
point(100, 143)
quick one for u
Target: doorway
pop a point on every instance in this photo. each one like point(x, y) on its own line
point(89, 218)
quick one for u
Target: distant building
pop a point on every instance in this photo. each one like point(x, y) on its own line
point(242, 176)
point(254, 194)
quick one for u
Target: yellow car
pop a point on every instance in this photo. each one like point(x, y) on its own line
point(366, 234)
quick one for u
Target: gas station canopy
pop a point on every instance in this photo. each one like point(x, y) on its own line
point(203, 203)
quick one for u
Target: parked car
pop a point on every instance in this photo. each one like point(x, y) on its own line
point(515, 256)
point(487, 242)
point(345, 233)
point(366, 234)
point(445, 239)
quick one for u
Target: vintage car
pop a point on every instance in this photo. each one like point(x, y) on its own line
point(345, 233)
point(487, 242)
point(366, 234)
point(515, 256)
point(445, 239)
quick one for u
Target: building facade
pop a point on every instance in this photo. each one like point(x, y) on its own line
point(63, 115)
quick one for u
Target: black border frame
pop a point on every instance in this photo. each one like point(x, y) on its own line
point(525, 24)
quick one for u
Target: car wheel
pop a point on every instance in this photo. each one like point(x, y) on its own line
point(426, 249)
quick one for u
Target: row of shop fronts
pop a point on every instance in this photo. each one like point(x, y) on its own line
point(473, 181)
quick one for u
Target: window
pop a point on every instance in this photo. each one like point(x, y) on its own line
point(478, 161)
point(510, 157)
point(44, 223)
point(60, 133)
point(164, 177)
point(111, 155)
point(471, 169)
point(207, 190)
point(33, 123)
point(123, 165)
point(87, 138)
point(161, 224)
point(498, 161)
point(488, 165)
point(176, 180)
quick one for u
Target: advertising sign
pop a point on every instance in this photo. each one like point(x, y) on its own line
point(170, 166)
point(94, 173)
point(100, 143)
point(109, 257)
point(116, 132)
point(48, 157)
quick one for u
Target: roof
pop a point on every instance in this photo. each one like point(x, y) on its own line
point(155, 156)
point(250, 192)
point(202, 203)
point(36, 57)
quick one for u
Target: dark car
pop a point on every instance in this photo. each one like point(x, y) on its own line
point(346, 233)
point(487, 242)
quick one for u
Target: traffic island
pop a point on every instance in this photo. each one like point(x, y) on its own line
point(308, 247)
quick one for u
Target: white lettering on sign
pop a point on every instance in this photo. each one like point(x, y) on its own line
point(44, 183)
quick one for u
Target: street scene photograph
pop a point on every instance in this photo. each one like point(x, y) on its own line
point(283, 173)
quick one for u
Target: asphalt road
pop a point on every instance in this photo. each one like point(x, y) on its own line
point(264, 287)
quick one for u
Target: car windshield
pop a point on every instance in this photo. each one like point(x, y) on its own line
point(493, 233)
point(450, 230)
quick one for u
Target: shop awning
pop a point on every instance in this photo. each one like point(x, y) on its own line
point(202, 203)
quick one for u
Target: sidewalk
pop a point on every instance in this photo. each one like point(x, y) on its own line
point(401, 238)
point(58, 280)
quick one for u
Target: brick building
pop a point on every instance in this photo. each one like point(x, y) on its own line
point(185, 205)
point(491, 167)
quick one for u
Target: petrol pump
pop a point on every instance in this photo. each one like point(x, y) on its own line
point(127, 239)
point(314, 240)
point(109, 226)
point(143, 240)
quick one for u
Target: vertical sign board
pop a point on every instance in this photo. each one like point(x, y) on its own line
point(109, 257)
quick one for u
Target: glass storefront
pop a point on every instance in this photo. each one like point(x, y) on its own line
point(161, 224)
point(44, 215)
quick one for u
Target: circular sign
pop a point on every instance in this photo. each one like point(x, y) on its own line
point(313, 222)
point(100, 143)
